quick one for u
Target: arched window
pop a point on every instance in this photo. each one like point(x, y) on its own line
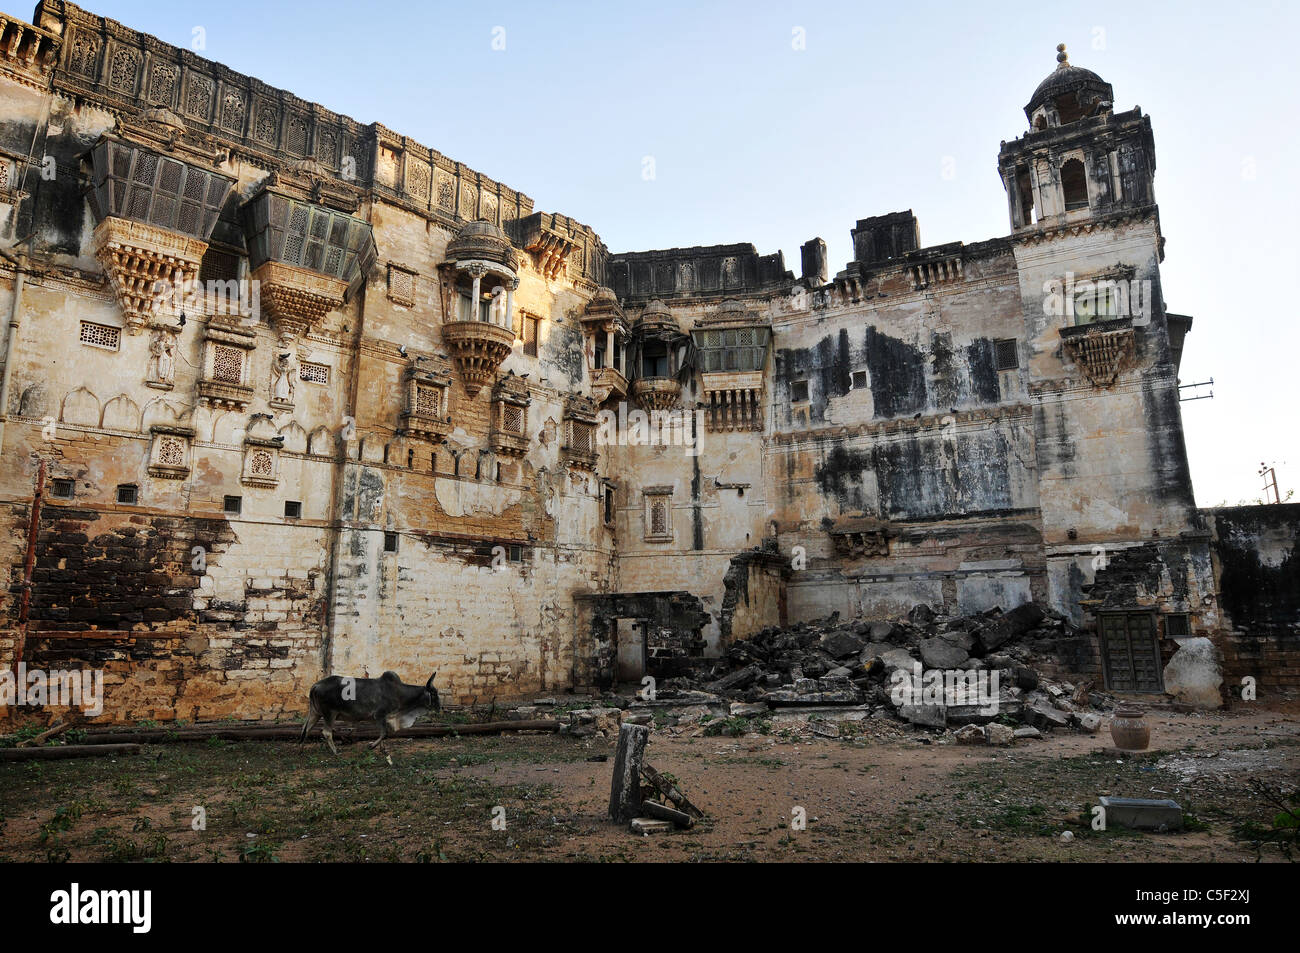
point(1074, 182)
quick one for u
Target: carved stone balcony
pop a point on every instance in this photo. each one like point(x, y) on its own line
point(656, 393)
point(733, 400)
point(143, 263)
point(305, 257)
point(297, 298)
point(225, 396)
point(478, 348)
point(1101, 350)
point(606, 382)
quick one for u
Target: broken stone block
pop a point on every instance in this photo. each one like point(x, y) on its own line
point(1142, 814)
point(1193, 676)
point(970, 735)
point(1027, 732)
point(1040, 714)
point(897, 658)
point(748, 709)
point(1026, 678)
point(690, 714)
point(929, 716)
point(978, 714)
point(650, 825)
point(1087, 721)
point(1010, 626)
point(941, 653)
point(840, 644)
point(737, 680)
point(873, 650)
point(920, 614)
point(882, 631)
point(999, 735)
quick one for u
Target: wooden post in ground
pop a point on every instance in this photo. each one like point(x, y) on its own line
point(625, 789)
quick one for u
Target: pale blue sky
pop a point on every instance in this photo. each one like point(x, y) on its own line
point(756, 141)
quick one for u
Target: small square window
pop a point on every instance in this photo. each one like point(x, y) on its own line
point(1178, 626)
point(63, 489)
point(292, 509)
point(859, 380)
point(390, 542)
point(798, 391)
point(127, 493)
point(1005, 354)
point(232, 505)
point(516, 553)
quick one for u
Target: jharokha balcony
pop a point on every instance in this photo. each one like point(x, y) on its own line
point(480, 276)
point(656, 393)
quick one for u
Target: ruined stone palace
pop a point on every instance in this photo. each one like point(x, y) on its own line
point(287, 394)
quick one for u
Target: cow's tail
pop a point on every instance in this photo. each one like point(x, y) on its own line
point(312, 716)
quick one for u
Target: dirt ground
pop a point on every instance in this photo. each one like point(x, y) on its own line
point(881, 792)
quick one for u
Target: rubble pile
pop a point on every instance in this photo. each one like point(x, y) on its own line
point(863, 663)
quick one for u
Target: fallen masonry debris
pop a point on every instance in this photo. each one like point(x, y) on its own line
point(929, 669)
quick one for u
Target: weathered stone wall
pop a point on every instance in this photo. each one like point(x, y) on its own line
point(1258, 572)
point(926, 432)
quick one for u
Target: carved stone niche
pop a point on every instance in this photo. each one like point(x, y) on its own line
point(169, 455)
point(510, 400)
point(284, 379)
point(261, 453)
point(859, 537)
point(427, 382)
point(579, 447)
point(162, 358)
point(227, 354)
point(1101, 350)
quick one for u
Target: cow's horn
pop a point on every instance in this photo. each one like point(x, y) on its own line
point(429, 683)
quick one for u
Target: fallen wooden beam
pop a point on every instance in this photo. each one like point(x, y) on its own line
point(46, 735)
point(55, 752)
point(293, 732)
point(664, 813)
point(668, 790)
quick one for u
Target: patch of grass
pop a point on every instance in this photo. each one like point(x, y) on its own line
point(260, 852)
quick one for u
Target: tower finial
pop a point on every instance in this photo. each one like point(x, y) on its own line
point(1062, 57)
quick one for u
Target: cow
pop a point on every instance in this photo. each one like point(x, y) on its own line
point(386, 700)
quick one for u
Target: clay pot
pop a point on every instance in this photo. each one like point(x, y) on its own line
point(1129, 729)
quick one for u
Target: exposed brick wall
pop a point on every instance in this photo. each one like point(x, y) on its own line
point(235, 635)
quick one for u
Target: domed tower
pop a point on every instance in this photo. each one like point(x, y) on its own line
point(1079, 158)
point(1102, 376)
